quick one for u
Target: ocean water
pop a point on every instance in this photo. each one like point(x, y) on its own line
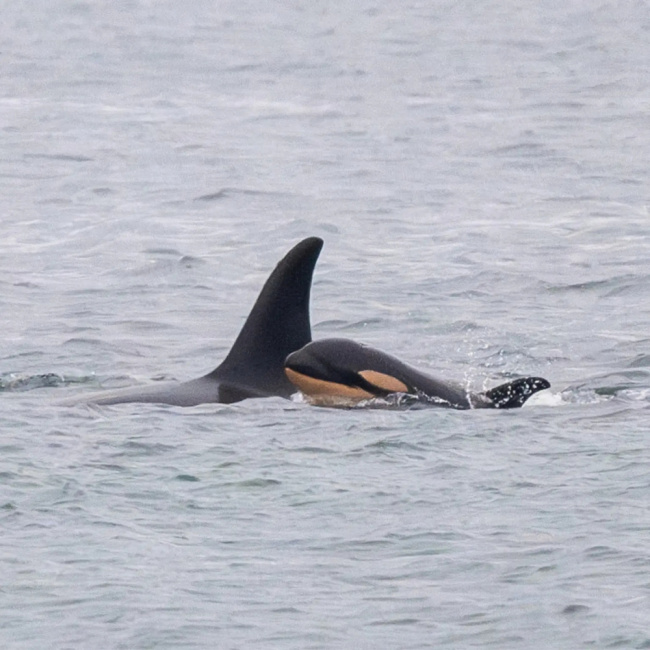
point(479, 176)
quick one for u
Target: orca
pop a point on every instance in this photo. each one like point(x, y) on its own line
point(277, 325)
point(341, 372)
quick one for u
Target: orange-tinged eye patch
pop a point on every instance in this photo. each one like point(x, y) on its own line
point(385, 382)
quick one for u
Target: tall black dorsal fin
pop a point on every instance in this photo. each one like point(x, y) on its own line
point(515, 393)
point(277, 325)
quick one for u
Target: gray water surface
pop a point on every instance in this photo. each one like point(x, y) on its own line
point(479, 176)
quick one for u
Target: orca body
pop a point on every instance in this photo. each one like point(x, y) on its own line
point(277, 325)
point(340, 372)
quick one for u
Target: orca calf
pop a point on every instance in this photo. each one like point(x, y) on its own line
point(277, 325)
point(340, 372)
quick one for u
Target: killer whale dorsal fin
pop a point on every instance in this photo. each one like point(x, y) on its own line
point(277, 325)
point(515, 393)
